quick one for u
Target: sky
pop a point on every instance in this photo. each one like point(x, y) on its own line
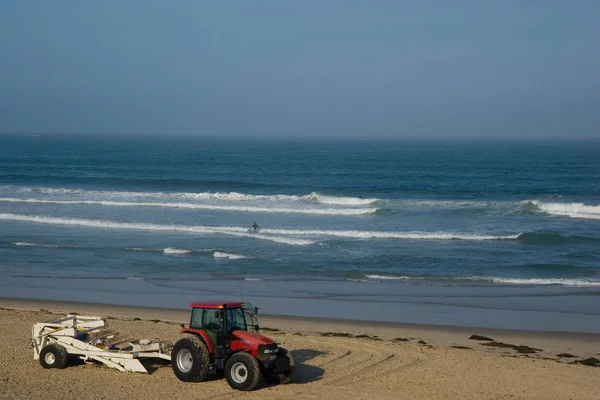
point(380, 68)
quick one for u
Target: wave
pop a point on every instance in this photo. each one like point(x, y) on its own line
point(265, 234)
point(170, 250)
point(491, 279)
point(572, 210)
point(282, 235)
point(345, 201)
point(82, 277)
point(27, 244)
point(313, 197)
point(549, 281)
point(171, 184)
point(391, 277)
point(220, 254)
point(389, 235)
point(319, 211)
point(218, 196)
point(232, 231)
point(455, 203)
point(141, 249)
point(523, 237)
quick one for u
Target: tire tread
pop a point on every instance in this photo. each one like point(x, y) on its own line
point(199, 370)
point(253, 371)
point(60, 354)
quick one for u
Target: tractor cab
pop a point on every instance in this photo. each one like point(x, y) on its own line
point(224, 337)
point(221, 320)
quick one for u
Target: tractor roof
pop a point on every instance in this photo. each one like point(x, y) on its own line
point(227, 304)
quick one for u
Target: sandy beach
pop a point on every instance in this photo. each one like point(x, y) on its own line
point(336, 360)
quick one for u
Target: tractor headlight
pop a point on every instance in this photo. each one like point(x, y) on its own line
point(267, 351)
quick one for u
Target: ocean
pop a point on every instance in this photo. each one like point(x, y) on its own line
point(496, 233)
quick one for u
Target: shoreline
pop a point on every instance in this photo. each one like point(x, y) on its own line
point(182, 316)
point(440, 335)
point(513, 308)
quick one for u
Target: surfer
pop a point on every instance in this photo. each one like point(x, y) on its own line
point(254, 228)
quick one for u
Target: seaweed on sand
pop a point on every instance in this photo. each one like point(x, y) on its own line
point(337, 334)
point(590, 362)
point(519, 348)
point(479, 337)
point(267, 329)
point(566, 355)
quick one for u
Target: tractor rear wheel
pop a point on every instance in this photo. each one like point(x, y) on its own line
point(190, 359)
point(242, 371)
point(281, 378)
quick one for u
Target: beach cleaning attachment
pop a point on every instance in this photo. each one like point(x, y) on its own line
point(89, 339)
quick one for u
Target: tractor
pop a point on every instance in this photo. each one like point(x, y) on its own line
point(224, 338)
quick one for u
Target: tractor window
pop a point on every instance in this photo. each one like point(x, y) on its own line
point(235, 319)
point(252, 321)
point(212, 320)
point(250, 314)
point(196, 321)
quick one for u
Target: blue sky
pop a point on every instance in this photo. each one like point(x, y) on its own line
point(527, 68)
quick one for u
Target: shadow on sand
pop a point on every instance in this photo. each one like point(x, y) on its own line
point(153, 364)
point(306, 373)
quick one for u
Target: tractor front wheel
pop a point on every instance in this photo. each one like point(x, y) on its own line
point(190, 359)
point(242, 371)
point(53, 356)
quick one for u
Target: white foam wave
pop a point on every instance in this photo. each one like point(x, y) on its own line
point(235, 196)
point(549, 281)
point(252, 279)
point(455, 203)
point(319, 211)
point(233, 231)
point(216, 196)
point(389, 278)
point(141, 249)
point(230, 256)
point(27, 244)
point(170, 250)
point(345, 201)
point(573, 210)
point(265, 234)
point(492, 279)
point(389, 235)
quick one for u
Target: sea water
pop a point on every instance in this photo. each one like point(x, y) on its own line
point(459, 232)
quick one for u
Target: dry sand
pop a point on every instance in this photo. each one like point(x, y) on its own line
point(329, 367)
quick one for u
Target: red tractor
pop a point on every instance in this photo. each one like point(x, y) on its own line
point(224, 338)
